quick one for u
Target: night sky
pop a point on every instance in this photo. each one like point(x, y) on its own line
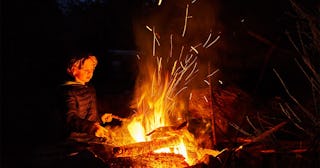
point(37, 35)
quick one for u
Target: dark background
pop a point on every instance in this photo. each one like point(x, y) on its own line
point(37, 35)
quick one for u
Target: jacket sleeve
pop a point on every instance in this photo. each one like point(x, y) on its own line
point(73, 121)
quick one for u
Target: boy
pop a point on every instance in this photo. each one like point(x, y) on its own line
point(80, 115)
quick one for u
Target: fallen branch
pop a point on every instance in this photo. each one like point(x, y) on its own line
point(263, 135)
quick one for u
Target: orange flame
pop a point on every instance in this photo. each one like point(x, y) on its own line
point(154, 102)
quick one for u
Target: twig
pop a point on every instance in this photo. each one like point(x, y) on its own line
point(311, 116)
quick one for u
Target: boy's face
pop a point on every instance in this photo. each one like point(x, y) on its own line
point(85, 73)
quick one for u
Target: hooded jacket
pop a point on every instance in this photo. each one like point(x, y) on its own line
point(79, 108)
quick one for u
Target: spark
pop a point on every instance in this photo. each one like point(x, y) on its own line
point(208, 76)
point(194, 48)
point(184, 68)
point(159, 60)
point(171, 37)
point(180, 91)
point(174, 67)
point(185, 21)
point(181, 52)
point(215, 40)
point(196, 71)
point(159, 3)
point(220, 81)
point(155, 39)
point(192, 72)
point(155, 36)
point(148, 28)
point(207, 40)
point(190, 96)
point(188, 58)
point(206, 82)
point(195, 65)
point(205, 98)
point(179, 73)
point(138, 56)
point(193, 1)
point(154, 45)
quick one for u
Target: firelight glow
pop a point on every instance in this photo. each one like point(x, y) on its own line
point(156, 100)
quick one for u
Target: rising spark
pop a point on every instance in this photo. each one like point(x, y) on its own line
point(195, 72)
point(215, 40)
point(187, 60)
point(159, 60)
point(192, 72)
point(181, 52)
point(208, 83)
point(180, 91)
point(155, 39)
point(185, 21)
point(148, 28)
point(174, 67)
point(193, 1)
point(205, 98)
point(207, 40)
point(154, 44)
point(208, 76)
point(194, 48)
point(182, 66)
point(171, 37)
point(138, 56)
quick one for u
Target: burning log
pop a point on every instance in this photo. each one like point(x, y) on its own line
point(149, 160)
point(140, 148)
point(161, 132)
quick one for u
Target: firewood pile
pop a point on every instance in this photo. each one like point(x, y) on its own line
point(147, 159)
point(140, 154)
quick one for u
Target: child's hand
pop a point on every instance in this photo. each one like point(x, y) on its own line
point(102, 132)
point(107, 117)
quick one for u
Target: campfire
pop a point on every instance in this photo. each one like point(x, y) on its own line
point(157, 134)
